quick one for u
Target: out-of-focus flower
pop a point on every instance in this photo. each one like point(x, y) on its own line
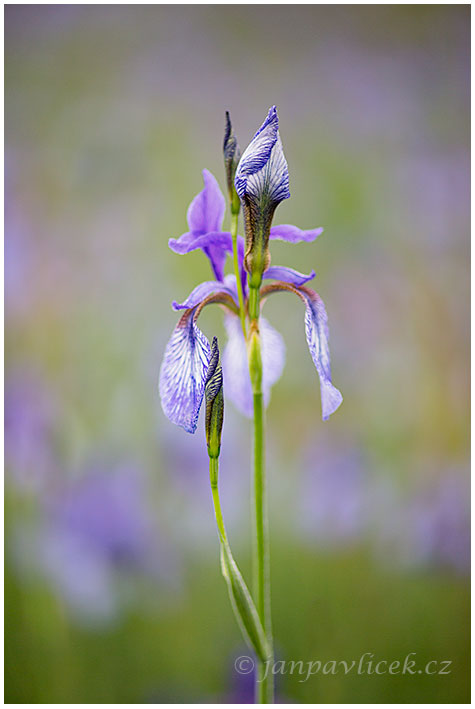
point(97, 540)
point(30, 415)
point(334, 507)
point(436, 524)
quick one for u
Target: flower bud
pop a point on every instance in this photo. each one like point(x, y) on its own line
point(232, 155)
point(262, 182)
point(214, 402)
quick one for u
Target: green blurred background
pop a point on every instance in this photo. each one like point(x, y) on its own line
point(113, 590)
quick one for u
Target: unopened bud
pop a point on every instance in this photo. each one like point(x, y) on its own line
point(214, 402)
point(232, 155)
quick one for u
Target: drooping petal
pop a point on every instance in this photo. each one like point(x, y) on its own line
point(237, 382)
point(288, 275)
point(291, 233)
point(197, 295)
point(273, 357)
point(203, 290)
point(206, 211)
point(316, 331)
point(183, 373)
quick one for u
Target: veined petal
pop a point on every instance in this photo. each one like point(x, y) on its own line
point(183, 373)
point(289, 232)
point(316, 331)
point(237, 382)
point(203, 290)
point(206, 211)
point(262, 171)
point(288, 275)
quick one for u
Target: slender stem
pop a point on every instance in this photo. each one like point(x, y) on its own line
point(234, 230)
point(213, 476)
point(264, 685)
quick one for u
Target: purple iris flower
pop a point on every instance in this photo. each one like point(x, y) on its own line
point(261, 182)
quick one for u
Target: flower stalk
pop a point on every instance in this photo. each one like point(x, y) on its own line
point(262, 588)
point(253, 360)
point(241, 600)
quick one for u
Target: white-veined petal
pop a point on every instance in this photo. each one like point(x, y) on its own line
point(183, 373)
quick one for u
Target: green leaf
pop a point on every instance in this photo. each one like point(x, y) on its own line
point(243, 605)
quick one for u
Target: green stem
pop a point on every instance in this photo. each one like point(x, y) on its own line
point(264, 686)
point(213, 476)
point(234, 230)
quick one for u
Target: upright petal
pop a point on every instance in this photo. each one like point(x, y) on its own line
point(183, 373)
point(288, 275)
point(237, 382)
point(206, 211)
point(291, 233)
point(316, 331)
point(205, 217)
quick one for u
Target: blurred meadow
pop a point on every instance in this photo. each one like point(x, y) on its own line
point(113, 589)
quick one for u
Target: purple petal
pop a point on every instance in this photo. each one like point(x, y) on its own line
point(198, 294)
point(291, 233)
point(183, 373)
point(237, 383)
point(262, 170)
point(203, 290)
point(206, 211)
point(288, 275)
point(215, 244)
point(316, 331)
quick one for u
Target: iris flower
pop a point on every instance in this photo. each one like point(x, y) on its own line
point(261, 182)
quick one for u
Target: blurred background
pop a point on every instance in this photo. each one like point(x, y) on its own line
point(113, 589)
